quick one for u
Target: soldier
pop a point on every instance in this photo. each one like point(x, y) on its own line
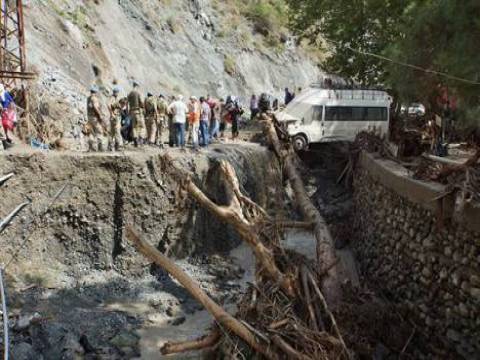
point(95, 126)
point(162, 118)
point(115, 107)
point(151, 118)
point(135, 108)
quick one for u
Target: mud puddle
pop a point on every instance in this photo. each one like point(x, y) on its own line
point(177, 322)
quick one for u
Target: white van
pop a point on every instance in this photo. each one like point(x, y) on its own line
point(324, 115)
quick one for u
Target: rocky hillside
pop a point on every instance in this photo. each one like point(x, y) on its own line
point(187, 46)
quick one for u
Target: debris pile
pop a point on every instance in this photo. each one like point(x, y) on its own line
point(285, 314)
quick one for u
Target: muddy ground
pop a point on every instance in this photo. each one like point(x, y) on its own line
point(76, 289)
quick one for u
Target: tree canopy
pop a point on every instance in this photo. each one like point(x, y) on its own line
point(440, 36)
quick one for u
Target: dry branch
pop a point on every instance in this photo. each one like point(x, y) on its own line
point(220, 315)
point(329, 313)
point(3, 179)
point(197, 344)
point(289, 351)
point(308, 299)
point(8, 219)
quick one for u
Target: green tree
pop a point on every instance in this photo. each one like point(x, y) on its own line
point(340, 25)
point(443, 36)
point(439, 36)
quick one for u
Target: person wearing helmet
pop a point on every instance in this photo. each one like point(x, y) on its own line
point(94, 128)
point(115, 139)
point(135, 109)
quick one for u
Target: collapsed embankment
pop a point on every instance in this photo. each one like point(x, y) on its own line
point(77, 262)
point(408, 244)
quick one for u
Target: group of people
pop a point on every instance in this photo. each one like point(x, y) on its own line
point(147, 121)
point(266, 102)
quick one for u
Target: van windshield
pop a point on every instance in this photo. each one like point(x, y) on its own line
point(297, 109)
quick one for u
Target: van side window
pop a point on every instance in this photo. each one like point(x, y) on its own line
point(376, 114)
point(355, 113)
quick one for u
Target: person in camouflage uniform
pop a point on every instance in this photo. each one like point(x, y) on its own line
point(95, 127)
point(115, 139)
point(135, 108)
point(162, 119)
point(151, 118)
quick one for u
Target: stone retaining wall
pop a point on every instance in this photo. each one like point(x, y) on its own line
point(407, 243)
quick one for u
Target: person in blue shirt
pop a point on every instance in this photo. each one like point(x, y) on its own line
point(5, 97)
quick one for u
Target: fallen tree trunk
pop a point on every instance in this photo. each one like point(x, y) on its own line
point(220, 315)
point(325, 245)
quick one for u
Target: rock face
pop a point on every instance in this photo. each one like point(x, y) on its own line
point(430, 267)
point(170, 47)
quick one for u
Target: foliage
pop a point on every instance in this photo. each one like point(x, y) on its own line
point(267, 16)
point(338, 25)
point(174, 25)
point(440, 35)
point(230, 65)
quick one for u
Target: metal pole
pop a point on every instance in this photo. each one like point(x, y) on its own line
point(5, 318)
point(21, 36)
point(5, 34)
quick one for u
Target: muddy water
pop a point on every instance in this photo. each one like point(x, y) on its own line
point(154, 335)
point(158, 329)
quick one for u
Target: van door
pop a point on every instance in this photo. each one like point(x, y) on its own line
point(337, 122)
point(316, 126)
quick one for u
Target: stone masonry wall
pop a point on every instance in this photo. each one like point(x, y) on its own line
point(433, 269)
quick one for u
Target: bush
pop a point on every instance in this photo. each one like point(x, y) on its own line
point(174, 25)
point(230, 65)
point(267, 17)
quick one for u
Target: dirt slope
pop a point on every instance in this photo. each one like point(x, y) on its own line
point(168, 46)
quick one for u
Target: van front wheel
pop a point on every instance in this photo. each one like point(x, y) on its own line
point(300, 143)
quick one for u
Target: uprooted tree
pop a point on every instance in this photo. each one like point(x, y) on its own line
point(285, 313)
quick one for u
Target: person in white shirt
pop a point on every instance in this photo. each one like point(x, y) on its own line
point(179, 111)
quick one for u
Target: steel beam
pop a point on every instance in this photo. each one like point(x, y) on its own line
point(12, 43)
